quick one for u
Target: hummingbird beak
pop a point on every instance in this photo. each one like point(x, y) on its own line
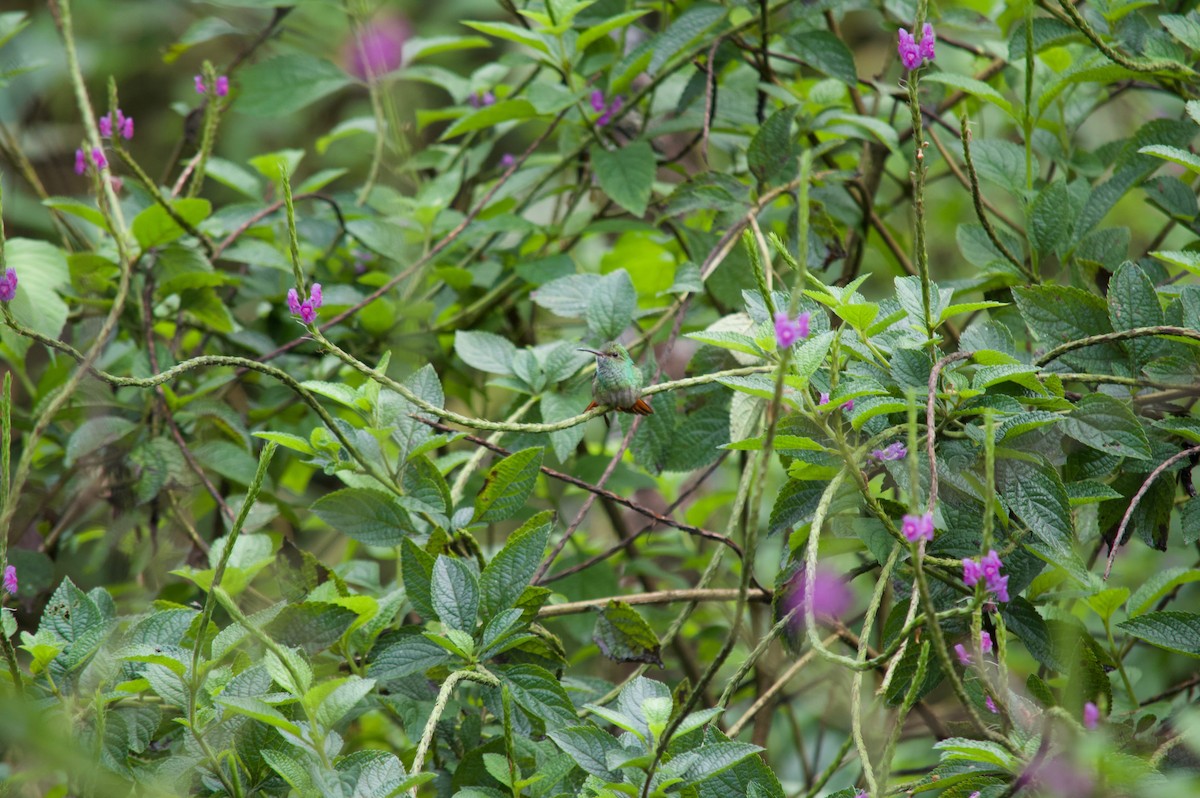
point(593, 351)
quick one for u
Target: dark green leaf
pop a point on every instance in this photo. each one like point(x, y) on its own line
point(1035, 493)
point(455, 594)
point(1107, 424)
point(508, 485)
point(154, 227)
point(509, 572)
point(1174, 631)
point(624, 636)
point(369, 516)
point(826, 53)
point(485, 351)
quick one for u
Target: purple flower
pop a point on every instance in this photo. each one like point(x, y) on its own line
point(221, 87)
point(8, 290)
point(831, 596)
point(306, 309)
point(972, 572)
point(824, 400)
point(999, 586)
point(80, 163)
point(985, 642)
point(961, 652)
point(991, 705)
point(991, 565)
point(974, 794)
point(105, 125)
point(987, 569)
point(507, 160)
point(787, 331)
point(10, 576)
point(925, 46)
point(98, 158)
point(893, 451)
point(917, 527)
point(607, 111)
point(909, 51)
point(1091, 712)
point(378, 49)
point(481, 99)
point(597, 101)
point(125, 125)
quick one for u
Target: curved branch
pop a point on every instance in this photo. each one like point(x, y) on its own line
point(1119, 335)
point(760, 595)
point(1137, 497)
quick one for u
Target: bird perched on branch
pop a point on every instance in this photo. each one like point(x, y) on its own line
point(618, 381)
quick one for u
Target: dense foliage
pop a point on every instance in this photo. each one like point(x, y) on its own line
point(298, 491)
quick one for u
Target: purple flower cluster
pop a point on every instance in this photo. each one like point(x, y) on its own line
point(987, 569)
point(606, 109)
point(121, 123)
point(8, 290)
point(788, 331)
point(914, 53)
point(95, 157)
point(10, 573)
point(1091, 715)
point(507, 160)
point(481, 99)
point(917, 527)
point(221, 89)
point(893, 451)
point(832, 597)
point(306, 310)
point(378, 50)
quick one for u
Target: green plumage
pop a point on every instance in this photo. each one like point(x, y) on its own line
point(618, 381)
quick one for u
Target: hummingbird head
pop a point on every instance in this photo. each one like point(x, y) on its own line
point(614, 351)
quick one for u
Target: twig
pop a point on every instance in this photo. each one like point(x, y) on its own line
point(1119, 335)
point(1137, 497)
point(761, 595)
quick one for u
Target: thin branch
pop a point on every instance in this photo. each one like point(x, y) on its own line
point(760, 595)
point(1119, 335)
point(1137, 497)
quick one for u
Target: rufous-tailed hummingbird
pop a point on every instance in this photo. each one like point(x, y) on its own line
point(618, 381)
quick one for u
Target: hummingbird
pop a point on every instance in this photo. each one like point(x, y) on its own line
point(618, 381)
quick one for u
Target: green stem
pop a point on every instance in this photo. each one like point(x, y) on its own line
point(439, 707)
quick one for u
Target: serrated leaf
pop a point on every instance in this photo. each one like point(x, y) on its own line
point(611, 305)
point(1174, 631)
point(507, 575)
point(369, 516)
point(154, 227)
point(1035, 493)
point(1107, 424)
point(508, 485)
point(485, 351)
point(454, 593)
point(624, 636)
point(283, 85)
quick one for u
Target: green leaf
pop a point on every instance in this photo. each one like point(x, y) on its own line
point(1174, 631)
point(416, 567)
point(976, 88)
point(1058, 314)
point(512, 33)
point(1106, 423)
point(508, 485)
point(420, 47)
point(612, 305)
point(506, 576)
point(1133, 302)
point(826, 53)
point(258, 710)
point(230, 175)
point(1001, 162)
point(594, 32)
point(366, 515)
point(711, 760)
point(1106, 602)
point(1186, 29)
point(408, 654)
point(976, 751)
point(94, 434)
point(1187, 160)
point(590, 747)
point(771, 154)
point(540, 694)
point(624, 636)
point(1035, 493)
point(343, 698)
point(680, 33)
point(455, 594)
point(283, 85)
point(485, 351)
point(490, 116)
point(626, 174)
point(1159, 584)
point(1050, 218)
point(567, 296)
point(154, 227)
